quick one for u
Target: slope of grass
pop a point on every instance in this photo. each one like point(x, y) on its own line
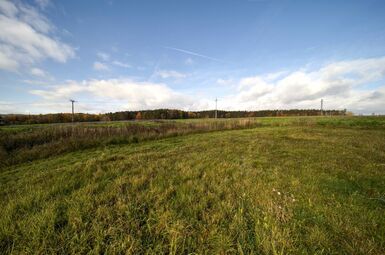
point(287, 189)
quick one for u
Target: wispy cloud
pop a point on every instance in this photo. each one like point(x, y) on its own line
point(35, 82)
point(106, 57)
point(195, 54)
point(224, 82)
point(43, 3)
point(38, 72)
point(41, 74)
point(170, 74)
point(103, 56)
point(121, 64)
point(98, 66)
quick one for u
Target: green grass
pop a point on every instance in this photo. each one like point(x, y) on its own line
point(23, 143)
point(36, 142)
point(288, 186)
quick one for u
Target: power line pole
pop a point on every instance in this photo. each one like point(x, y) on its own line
point(73, 114)
point(322, 107)
point(216, 107)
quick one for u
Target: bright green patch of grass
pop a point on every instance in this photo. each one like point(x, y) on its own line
point(279, 189)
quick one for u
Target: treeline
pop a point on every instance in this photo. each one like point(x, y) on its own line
point(156, 114)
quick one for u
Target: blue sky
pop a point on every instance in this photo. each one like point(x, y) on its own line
point(114, 55)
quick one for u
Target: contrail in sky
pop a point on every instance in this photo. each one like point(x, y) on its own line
point(194, 54)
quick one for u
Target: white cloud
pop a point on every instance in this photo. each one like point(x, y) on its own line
point(32, 17)
point(6, 62)
point(103, 56)
point(100, 66)
point(357, 85)
point(8, 8)
point(274, 76)
point(121, 64)
point(252, 87)
point(43, 3)
point(36, 82)
point(127, 93)
point(38, 72)
point(26, 37)
point(224, 82)
point(170, 74)
point(341, 84)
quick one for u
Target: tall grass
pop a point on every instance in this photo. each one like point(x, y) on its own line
point(42, 142)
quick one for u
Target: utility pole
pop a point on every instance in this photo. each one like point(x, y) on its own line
point(216, 107)
point(73, 114)
point(322, 107)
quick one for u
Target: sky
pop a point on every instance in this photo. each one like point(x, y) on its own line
point(112, 55)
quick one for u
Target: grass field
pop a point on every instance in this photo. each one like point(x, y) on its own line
point(258, 186)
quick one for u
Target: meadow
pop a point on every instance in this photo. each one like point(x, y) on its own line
point(296, 185)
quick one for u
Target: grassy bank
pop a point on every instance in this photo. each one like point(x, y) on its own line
point(313, 186)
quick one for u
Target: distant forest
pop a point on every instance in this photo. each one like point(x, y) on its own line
point(156, 114)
